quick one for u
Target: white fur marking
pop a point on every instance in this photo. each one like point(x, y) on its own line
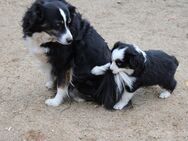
point(164, 94)
point(114, 67)
point(67, 34)
point(33, 44)
point(126, 97)
point(118, 54)
point(140, 51)
point(100, 70)
point(58, 99)
point(122, 80)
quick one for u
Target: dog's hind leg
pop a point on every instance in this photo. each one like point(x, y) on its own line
point(168, 89)
point(62, 90)
point(126, 97)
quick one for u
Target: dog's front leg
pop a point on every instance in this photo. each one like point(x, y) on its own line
point(62, 90)
point(126, 97)
point(100, 70)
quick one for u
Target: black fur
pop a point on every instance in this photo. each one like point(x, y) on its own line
point(90, 50)
point(87, 49)
point(158, 69)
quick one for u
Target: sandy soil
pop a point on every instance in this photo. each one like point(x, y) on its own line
point(151, 24)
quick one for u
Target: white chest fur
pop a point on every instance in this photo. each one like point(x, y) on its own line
point(33, 44)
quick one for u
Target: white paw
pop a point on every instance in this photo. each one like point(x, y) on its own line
point(53, 102)
point(97, 71)
point(165, 94)
point(119, 106)
point(100, 70)
point(49, 84)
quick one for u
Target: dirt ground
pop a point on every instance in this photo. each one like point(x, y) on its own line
point(152, 24)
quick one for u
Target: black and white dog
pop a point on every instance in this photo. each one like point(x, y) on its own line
point(61, 40)
point(134, 68)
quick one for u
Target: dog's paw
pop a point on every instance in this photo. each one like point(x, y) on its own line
point(100, 70)
point(49, 84)
point(164, 95)
point(53, 102)
point(119, 106)
point(97, 71)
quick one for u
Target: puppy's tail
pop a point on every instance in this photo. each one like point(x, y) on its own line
point(175, 60)
point(107, 92)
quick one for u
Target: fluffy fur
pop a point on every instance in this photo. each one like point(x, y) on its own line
point(72, 43)
point(149, 68)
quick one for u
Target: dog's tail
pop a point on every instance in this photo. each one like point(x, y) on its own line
point(175, 60)
point(107, 92)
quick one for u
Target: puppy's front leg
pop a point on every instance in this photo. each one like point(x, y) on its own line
point(126, 97)
point(100, 70)
point(62, 90)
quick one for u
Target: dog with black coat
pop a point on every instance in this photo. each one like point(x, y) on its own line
point(134, 68)
point(62, 40)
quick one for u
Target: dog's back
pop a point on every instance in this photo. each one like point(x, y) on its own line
point(159, 69)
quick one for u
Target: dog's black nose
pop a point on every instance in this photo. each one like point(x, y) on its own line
point(69, 40)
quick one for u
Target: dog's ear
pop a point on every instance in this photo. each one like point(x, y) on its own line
point(38, 11)
point(116, 45)
point(131, 50)
point(136, 61)
point(33, 16)
point(72, 9)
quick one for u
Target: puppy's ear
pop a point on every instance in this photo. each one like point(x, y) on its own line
point(116, 45)
point(131, 50)
point(136, 61)
point(72, 9)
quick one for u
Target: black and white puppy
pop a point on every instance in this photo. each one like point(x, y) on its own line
point(61, 39)
point(134, 68)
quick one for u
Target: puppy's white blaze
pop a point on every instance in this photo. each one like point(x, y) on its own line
point(67, 34)
point(122, 80)
point(114, 67)
point(100, 70)
point(118, 54)
point(58, 99)
point(140, 51)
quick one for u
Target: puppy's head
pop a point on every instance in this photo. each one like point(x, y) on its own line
point(127, 57)
point(53, 18)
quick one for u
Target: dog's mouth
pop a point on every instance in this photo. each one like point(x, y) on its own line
point(67, 43)
point(64, 39)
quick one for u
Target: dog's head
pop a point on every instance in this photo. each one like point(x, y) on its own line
point(127, 57)
point(52, 17)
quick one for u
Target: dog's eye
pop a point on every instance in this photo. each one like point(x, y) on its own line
point(118, 63)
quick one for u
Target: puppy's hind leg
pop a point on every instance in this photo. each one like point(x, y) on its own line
point(168, 89)
point(62, 90)
point(126, 97)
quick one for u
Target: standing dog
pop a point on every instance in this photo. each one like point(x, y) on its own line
point(61, 39)
point(134, 68)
